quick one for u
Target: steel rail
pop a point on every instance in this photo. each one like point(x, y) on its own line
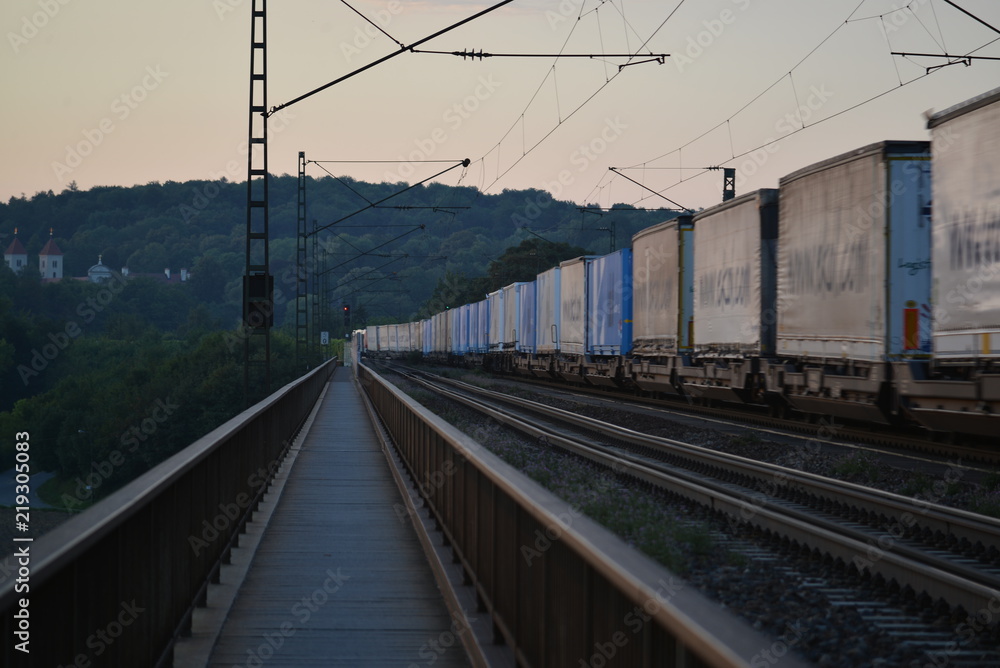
point(950, 521)
point(750, 414)
point(954, 583)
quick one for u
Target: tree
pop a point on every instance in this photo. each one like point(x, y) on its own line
point(208, 280)
point(528, 259)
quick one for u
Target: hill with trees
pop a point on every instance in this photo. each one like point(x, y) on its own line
point(83, 364)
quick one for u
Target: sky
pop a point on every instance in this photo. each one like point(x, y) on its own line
point(121, 92)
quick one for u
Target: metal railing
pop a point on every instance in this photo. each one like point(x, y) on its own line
point(561, 590)
point(118, 583)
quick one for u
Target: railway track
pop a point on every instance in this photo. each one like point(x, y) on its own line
point(938, 445)
point(941, 555)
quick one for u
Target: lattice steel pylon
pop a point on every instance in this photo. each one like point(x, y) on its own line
point(302, 274)
point(258, 283)
point(317, 323)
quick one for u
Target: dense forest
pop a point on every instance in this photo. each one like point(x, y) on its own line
point(140, 367)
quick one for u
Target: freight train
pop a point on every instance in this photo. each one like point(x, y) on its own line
point(858, 288)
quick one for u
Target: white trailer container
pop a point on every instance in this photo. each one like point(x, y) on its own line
point(392, 339)
point(662, 290)
point(416, 336)
point(735, 267)
point(402, 339)
point(460, 330)
point(441, 326)
point(849, 227)
point(547, 298)
point(371, 338)
point(496, 328)
point(573, 318)
point(853, 278)
point(960, 390)
point(734, 276)
point(479, 324)
point(573, 306)
point(966, 148)
point(662, 303)
point(526, 298)
point(511, 339)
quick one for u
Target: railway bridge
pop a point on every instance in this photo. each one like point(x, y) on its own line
point(296, 535)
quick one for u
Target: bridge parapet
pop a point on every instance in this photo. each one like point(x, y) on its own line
point(117, 584)
point(561, 590)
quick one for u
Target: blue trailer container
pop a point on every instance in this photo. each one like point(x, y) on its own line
point(460, 330)
point(609, 304)
point(427, 336)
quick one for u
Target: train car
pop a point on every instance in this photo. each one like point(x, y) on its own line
point(960, 389)
point(371, 340)
point(392, 339)
point(479, 325)
point(572, 315)
point(496, 318)
point(662, 303)
point(416, 336)
point(427, 337)
point(608, 318)
point(855, 235)
point(460, 331)
point(441, 345)
point(548, 290)
point(403, 339)
point(510, 339)
point(525, 334)
point(735, 290)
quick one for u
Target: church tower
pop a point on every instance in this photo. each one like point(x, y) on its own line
point(50, 262)
point(15, 256)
